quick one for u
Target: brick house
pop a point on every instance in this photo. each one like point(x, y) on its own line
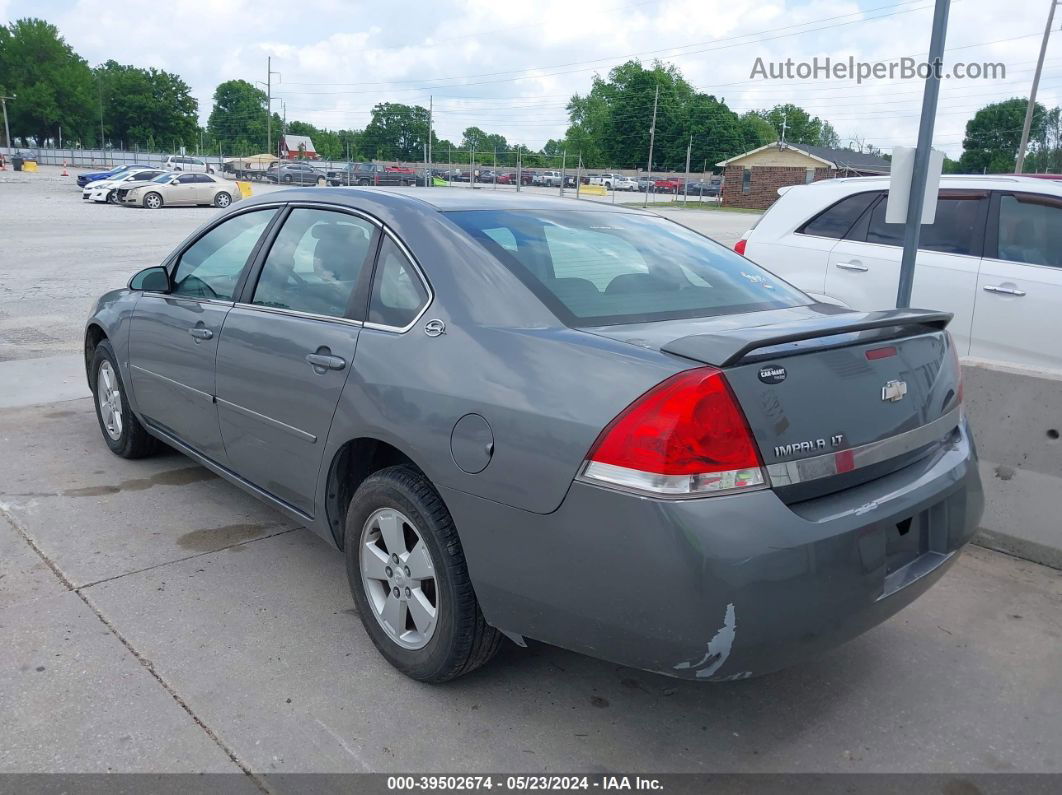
point(752, 179)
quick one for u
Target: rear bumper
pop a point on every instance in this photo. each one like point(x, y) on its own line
point(725, 587)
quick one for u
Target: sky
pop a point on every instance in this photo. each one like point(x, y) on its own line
point(510, 67)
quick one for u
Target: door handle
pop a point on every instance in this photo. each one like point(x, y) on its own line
point(989, 288)
point(201, 333)
point(322, 361)
point(852, 266)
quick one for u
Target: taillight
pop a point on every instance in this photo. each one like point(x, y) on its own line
point(687, 436)
point(953, 349)
point(739, 247)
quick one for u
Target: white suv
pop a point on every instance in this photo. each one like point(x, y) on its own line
point(992, 257)
point(184, 163)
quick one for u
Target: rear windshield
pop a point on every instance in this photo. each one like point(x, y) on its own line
point(604, 268)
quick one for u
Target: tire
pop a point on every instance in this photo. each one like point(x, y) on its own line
point(321, 182)
point(222, 199)
point(458, 639)
point(287, 179)
point(363, 182)
point(112, 197)
point(153, 200)
point(125, 436)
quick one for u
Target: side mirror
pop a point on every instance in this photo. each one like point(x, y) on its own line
point(153, 280)
point(173, 181)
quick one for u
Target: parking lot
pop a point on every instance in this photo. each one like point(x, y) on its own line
point(157, 619)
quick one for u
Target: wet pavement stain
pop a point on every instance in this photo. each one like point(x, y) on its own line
point(170, 477)
point(211, 538)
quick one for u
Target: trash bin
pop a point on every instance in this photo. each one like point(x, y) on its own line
point(16, 163)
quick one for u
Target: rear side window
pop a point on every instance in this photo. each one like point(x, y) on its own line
point(957, 229)
point(601, 268)
point(1030, 229)
point(836, 220)
point(398, 294)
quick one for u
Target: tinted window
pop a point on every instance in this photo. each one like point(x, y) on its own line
point(211, 266)
point(203, 178)
point(186, 179)
point(835, 221)
point(397, 291)
point(314, 263)
point(600, 267)
point(957, 228)
point(1030, 229)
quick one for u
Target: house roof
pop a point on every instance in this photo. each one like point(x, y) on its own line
point(293, 142)
point(838, 158)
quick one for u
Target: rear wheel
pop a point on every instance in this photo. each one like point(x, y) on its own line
point(222, 199)
point(363, 181)
point(287, 178)
point(122, 431)
point(409, 579)
point(153, 201)
point(321, 182)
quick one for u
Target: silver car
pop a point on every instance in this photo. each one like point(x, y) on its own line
point(171, 189)
point(519, 417)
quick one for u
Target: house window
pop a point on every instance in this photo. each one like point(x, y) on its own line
point(746, 180)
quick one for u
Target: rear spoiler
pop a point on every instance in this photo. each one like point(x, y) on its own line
point(730, 347)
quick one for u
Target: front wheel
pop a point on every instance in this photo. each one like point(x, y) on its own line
point(409, 579)
point(153, 201)
point(112, 197)
point(122, 431)
point(222, 199)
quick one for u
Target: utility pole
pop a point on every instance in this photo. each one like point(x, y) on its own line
point(7, 130)
point(652, 140)
point(269, 103)
point(99, 85)
point(913, 227)
point(686, 184)
point(1032, 95)
point(564, 161)
point(428, 175)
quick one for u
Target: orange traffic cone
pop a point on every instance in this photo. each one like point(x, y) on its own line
point(64, 174)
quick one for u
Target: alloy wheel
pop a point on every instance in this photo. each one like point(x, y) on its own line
point(109, 395)
point(398, 575)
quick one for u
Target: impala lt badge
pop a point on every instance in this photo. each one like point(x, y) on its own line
point(894, 390)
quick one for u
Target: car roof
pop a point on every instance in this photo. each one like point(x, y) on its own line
point(974, 181)
point(442, 199)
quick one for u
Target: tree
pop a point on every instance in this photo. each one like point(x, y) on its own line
point(397, 132)
point(993, 134)
point(142, 105)
point(239, 118)
point(53, 84)
point(800, 126)
point(475, 138)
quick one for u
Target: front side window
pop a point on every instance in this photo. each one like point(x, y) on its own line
point(314, 264)
point(211, 266)
point(601, 268)
point(1030, 229)
point(836, 220)
point(958, 227)
point(398, 294)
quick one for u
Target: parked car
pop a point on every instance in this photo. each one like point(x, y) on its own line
point(105, 190)
point(371, 174)
point(613, 181)
point(702, 187)
point(95, 176)
point(297, 173)
point(757, 478)
point(179, 189)
point(667, 185)
point(992, 257)
point(547, 179)
point(185, 163)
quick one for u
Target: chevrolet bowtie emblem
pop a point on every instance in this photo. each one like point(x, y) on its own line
point(894, 390)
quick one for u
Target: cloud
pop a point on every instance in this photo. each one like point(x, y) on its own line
point(510, 67)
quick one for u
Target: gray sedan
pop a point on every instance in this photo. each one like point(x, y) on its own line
point(519, 417)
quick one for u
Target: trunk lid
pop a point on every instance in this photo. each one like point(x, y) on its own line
point(833, 397)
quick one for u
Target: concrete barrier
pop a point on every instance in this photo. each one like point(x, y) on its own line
point(1016, 418)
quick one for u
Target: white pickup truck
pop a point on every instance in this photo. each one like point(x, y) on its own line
point(614, 181)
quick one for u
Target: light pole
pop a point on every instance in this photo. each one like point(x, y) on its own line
point(7, 130)
point(1032, 95)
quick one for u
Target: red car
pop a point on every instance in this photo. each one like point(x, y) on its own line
point(666, 185)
